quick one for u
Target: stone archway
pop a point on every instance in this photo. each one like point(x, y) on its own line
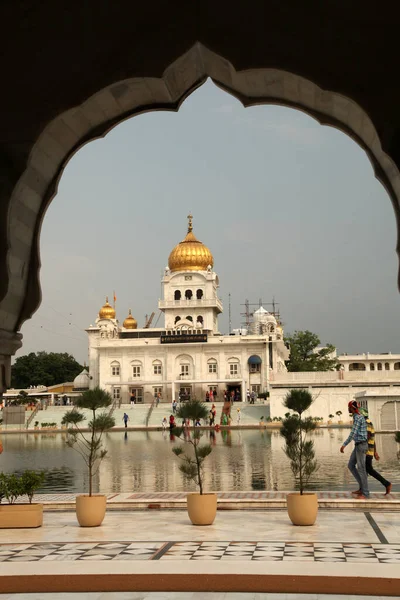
point(20, 264)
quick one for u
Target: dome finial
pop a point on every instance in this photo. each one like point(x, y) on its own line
point(190, 226)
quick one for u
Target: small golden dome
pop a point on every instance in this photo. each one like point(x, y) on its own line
point(107, 311)
point(190, 254)
point(130, 322)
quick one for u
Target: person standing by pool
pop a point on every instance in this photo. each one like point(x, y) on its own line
point(164, 423)
point(357, 461)
point(125, 419)
point(172, 423)
point(133, 399)
point(239, 416)
point(371, 454)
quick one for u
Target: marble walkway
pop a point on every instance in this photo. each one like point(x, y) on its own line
point(251, 551)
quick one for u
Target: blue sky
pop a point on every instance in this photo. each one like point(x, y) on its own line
point(288, 208)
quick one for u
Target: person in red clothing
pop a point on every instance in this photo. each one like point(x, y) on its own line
point(172, 423)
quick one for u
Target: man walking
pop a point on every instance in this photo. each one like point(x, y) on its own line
point(357, 461)
point(371, 454)
point(125, 419)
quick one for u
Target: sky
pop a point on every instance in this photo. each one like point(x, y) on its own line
point(290, 210)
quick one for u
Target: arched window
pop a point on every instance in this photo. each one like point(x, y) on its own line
point(177, 295)
point(212, 365)
point(387, 367)
point(199, 294)
point(254, 363)
point(157, 367)
point(200, 320)
point(379, 366)
point(397, 366)
point(177, 318)
point(188, 294)
point(357, 367)
point(115, 368)
point(234, 366)
point(136, 369)
point(372, 367)
point(189, 318)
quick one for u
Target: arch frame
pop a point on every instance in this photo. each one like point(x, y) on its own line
point(26, 202)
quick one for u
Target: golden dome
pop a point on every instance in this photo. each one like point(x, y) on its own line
point(190, 254)
point(130, 322)
point(107, 311)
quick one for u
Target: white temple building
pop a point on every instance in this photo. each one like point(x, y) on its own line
point(188, 356)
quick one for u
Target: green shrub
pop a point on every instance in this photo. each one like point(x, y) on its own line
point(193, 410)
point(295, 428)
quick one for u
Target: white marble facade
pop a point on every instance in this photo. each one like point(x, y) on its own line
point(189, 355)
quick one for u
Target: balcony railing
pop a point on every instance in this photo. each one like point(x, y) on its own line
point(193, 303)
point(183, 376)
point(233, 375)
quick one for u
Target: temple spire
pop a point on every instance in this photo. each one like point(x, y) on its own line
point(190, 225)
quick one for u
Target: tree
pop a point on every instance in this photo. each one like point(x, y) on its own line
point(294, 430)
point(194, 411)
point(44, 368)
point(90, 446)
point(305, 354)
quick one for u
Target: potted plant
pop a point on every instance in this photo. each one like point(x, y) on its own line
point(36, 425)
point(339, 414)
point(21, 515)
point(261, 421)
point(330, 417)
point(302, 507)
point(202, 508)
point(91, 508)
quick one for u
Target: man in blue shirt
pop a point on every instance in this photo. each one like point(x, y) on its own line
point(356, 464)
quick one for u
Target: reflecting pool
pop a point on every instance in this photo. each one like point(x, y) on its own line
point(144, 462)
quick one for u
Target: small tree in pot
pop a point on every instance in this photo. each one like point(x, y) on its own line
point(202, 507)
point(88, 443)
point(302, 507)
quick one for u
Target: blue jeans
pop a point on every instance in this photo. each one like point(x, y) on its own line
point(357, 467)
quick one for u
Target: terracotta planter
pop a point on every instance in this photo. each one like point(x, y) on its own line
point(13, 516)
point(340, 422)
point(90, 510)
point(329, 422)
point(302, 508)
point(202, 508)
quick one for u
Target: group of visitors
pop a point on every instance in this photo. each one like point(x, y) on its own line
point(360, 462)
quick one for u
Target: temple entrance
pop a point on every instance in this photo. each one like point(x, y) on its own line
point(235, 392)
point(185, 393)
point(138, 393)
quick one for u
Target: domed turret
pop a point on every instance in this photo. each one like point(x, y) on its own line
point(81, 381)
point(263, 321)
point(190, 254)
point(130, 322)
point(107, 311)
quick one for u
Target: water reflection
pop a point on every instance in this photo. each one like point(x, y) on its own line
point(144, 462)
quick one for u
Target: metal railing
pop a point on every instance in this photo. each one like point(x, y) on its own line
point(32, 416)
point(149, 412)
point(113, 407)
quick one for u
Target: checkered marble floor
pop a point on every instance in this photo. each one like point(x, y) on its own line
point(239, 551)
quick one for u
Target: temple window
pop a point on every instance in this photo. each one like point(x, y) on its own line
point(199, 294)
point(177, 295)
point(157, 367)
point(188, 294)
point(115, 368)
point(212, 365)
point(177, 318)
point(379, 366)
point(387, 367)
